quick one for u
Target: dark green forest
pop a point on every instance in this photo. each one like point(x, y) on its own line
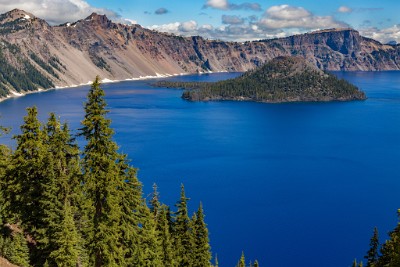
point(60, 206)
point(25, 77)
point(283, 79)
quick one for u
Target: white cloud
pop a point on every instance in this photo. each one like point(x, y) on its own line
point(383, 35)
point(131, 21)
point(218, 4)
point(170, 27)
point(188, 26)
point(277, 21)
point(225, 5)
point(57, 11)
point(286, 12)
point(290, 17)
point(345, 9)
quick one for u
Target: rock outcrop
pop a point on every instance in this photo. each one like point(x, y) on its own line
point(43, 56)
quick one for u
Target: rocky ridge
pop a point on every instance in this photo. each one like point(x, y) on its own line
point(47, 56)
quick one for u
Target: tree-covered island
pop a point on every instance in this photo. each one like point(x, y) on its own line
point(283, 79)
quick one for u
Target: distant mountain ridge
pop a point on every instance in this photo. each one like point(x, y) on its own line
point(35, 55)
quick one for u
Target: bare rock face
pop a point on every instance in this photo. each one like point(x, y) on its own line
point(74, 53)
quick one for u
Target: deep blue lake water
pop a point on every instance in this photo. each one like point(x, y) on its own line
point(289, 184)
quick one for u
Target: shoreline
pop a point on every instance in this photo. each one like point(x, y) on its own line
point(14, 94)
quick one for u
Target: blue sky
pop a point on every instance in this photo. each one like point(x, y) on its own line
point(236, 20)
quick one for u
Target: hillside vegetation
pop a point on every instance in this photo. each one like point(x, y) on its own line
point(61, 207)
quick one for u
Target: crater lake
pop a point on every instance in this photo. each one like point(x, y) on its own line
point(299, 184)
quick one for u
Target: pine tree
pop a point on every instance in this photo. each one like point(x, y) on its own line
point(164, 235)
point(150, 244)
point(131, 202)
point(183, 238)
point(242, 261)
point(18, 252)
point(391, 249)
point(25, 179)
point(202, 254)
point(155, 201)
point(102, 181)
point(372, 254)
point(216, 261)
point(61, 184)
point(256, 263)
point(5, 155)
point(67, 243)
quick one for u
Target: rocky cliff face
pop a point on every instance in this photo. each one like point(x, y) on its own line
point(74, 53)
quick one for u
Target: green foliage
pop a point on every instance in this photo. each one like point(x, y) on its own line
point(17, 251)
point(21, 76)
point(242, 261)
point(373, 252)
point(25, 179)
point(88, 210)
point(202, 250)
point(99, 61)
point(283, 79)
point(48, 68)
point(102, 180)
point(391, 249)
point(182, 233)
point(165, 238)
point(67, 240)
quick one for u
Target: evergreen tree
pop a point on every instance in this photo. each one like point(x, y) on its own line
point(372, 254)
point(67, 241)
point(131, 202)
point(160, 215)
point(61, 184)
point(391, 249)
point(256, 263)
point(102, 181)
point(183, 237)
point(150, 244)
point(164, 235)
point(18, 251)
point(202, 254)
point(216, 261)
point(242, 261)
point(25, 179)
point(155, 201)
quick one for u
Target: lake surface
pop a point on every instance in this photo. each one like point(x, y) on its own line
point(289, 184)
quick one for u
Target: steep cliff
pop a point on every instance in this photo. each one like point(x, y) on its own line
point(35, 55)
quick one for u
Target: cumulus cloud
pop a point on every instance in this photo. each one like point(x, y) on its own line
point(218, 4)
point(226, 19)
point(345, 9)
point(277, 21)
point(225, 5)
point(227, 32)
point(57, 11)
point(188, 26)
point(384, 35)
point(161, 11)
point(290, 17)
